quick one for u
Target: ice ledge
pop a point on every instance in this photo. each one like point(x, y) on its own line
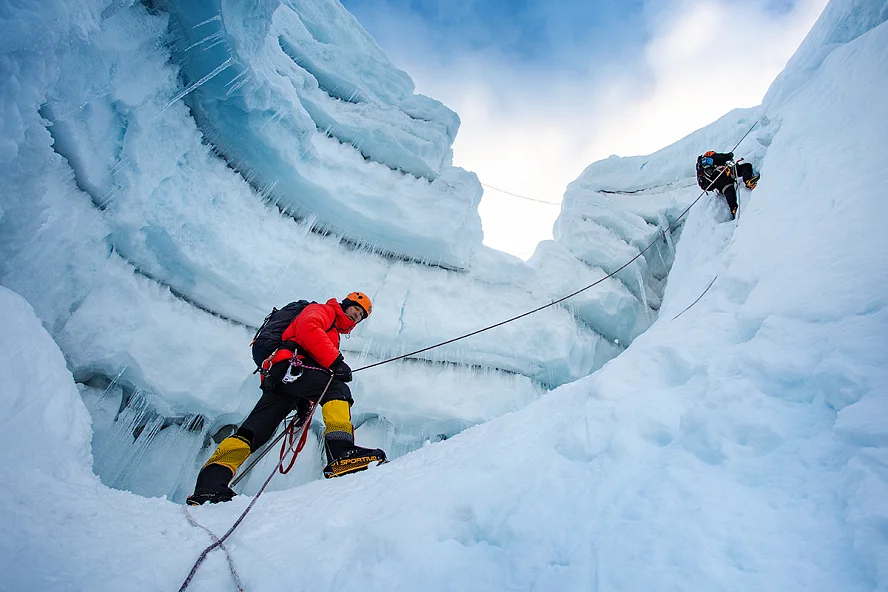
point(302, 102)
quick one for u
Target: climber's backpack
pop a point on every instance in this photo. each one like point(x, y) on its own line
point(706, 171)
point(268, 337)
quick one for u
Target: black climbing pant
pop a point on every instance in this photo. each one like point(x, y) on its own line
point(279, 399)
point(728, 188)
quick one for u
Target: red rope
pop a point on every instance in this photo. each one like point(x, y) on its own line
point(290, 438)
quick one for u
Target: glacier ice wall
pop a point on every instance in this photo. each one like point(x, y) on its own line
point(335, 131)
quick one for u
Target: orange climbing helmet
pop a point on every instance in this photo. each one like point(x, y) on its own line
point(361, 300)
point(709, 153)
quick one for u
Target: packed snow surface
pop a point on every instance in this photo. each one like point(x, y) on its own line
point(739, 444)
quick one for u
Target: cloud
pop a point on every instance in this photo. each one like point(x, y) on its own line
point(651, 75)
point(529, 32)
point(706, 58)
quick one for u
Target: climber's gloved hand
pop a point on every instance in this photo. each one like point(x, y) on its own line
point(341, 370)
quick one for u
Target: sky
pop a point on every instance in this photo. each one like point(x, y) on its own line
point(543, 89)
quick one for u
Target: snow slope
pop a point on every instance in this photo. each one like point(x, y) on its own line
point(741, 445)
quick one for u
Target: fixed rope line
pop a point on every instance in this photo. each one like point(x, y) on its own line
point(572, 294)
point(539, 308)
point(551, 203)
point(697, 300)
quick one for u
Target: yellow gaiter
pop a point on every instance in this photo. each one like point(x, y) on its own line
point(231, 453)
point(337, 420)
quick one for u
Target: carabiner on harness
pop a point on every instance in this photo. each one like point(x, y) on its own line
point(289, 376)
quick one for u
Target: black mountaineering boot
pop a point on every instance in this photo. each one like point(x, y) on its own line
point(199, 498)
point(352, 460)
point(212, 486)
point(751, 182)
point(343, 456)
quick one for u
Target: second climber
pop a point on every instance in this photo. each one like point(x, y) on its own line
point(716, 172)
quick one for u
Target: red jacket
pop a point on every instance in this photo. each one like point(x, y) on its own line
point(316, 331)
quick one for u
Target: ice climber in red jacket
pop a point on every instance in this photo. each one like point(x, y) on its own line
point(313, 338)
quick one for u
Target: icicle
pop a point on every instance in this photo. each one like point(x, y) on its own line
point(181, 450)
point(641, 290)
point(133, 429)
point(218, 17)
point(662, 259)
point(238, 81)
point(130, 455)
point(664, 227)
point(222, 67)
point(212, 37)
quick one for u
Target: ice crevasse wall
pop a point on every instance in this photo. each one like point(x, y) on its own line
point(170, 173)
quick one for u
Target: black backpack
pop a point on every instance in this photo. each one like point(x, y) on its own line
point(269, 336)
point(705, 175)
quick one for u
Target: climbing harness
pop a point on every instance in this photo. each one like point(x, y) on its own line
point(289, 376)
point(295, 362)
point(218, 542)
